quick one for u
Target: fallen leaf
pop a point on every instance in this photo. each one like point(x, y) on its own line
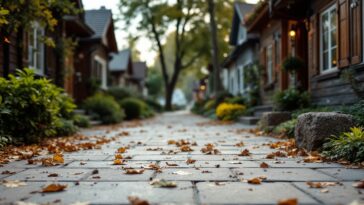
point(245, 153)
point(171, 164)
point(186, 148)
point(324, 191)
point(80, 203)
point(240, 144)
point(163, 183)
point(121, 150)
point(7, 172)
point(359, 185)
point(172, 142)
point(134, 171)
point(118, 162)
point(53, 175)
point(58, 158)
point(318, 185)
point(137, 201)
point(190, 161)
point(54, 188)
point(254, 181)
point(264, 165)
point(95, 171)
point(181, 173)
point(291, 201)
point(13, 184)
point(118, 156)
point(206, 172)
point(210, 149)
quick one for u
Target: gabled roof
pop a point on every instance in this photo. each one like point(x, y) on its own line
point(120, 61)
point(139, 70)
point(240, 11)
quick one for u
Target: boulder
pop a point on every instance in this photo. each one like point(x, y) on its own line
point(271, 119)
point(313, 128)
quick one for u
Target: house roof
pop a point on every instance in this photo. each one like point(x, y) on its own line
point(120, 61)
point(240, 11)
point(102, 24)
point(139, 70)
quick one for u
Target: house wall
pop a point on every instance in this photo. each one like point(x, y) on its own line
point(329, 88)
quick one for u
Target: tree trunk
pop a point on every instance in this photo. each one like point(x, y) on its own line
point(215, 49)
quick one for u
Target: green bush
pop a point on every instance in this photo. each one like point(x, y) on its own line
point(31, 109)
point(291, 99)
point(154, 104)
point(357, 111)
point(81, 121)
point(104, 108)
point(292, 64)
point(119, 93)
point(237, 100)
point(66, 128)
point(348, 146)
point(221, 97)
point(133, 108)
point(209, 105)
point(286, 128)
point(66, 106)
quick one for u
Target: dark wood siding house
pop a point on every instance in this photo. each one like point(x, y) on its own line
point(335, 49)
point(92, 64)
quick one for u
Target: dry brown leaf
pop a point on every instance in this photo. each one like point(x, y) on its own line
point(172, 142)
point(186, 148)
point(118, 162)
point(264, 165)
point(190, 161)
point(359, 185)
point(13, 184)
point(255, 180)
point(134, 171)
point(171, 164)
point(240, 144)
point(291, 201)
point(319, 185)
point(245, 153)
point(58, 158)
point(137, 201)
point(7, 172)
point(54, 188)
point(118, 156)
point(53, 175)
point(121, 150)
point(163, 183)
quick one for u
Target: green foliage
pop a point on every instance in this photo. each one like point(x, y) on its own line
point(119, 93)
point(286, 128)
point(153, 104)
point(237, 100)
point(357, 111)
point(94, 85)
point(221, 97)
point(66, 128)
point(292, 64)
point(252, 81)
point(31, 109)
point(133, 108)
point(291, 99)
point(348, 146)
point(104, 108)
point(81, 121)
point(154, 83)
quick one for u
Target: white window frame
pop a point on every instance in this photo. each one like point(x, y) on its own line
point(241, 34)
point(103, 71)
point(269, 60)
point(33, 50)
point(330, 47)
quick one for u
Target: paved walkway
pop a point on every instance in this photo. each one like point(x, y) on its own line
point(211, 179)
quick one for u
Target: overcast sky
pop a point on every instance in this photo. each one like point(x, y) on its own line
point(143, 45)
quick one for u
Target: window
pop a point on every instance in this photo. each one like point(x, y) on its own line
point(99, 71)
point(328, 45)
point(238, 79)
point(36, 48)
point(242, 34)
point(269, 65)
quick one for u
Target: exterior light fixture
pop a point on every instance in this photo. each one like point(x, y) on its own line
point(292, 33)
point(202, 87)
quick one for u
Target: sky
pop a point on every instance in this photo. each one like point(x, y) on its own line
point(143, 45)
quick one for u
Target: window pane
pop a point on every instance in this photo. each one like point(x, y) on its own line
point(325, 60)
point(325, 23)
point(333, 18)
point(333, 38)
point(333, 57)
point(325, 41)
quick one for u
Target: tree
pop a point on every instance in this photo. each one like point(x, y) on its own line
point(23, 14)
point(154, 18)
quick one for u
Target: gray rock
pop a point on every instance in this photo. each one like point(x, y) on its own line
point(314, 127)
point(271, 119)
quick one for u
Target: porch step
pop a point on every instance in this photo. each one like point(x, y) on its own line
point(259, 110)
point(249, 120)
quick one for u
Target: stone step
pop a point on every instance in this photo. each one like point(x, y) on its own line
point(249, 120)
point(259, 110)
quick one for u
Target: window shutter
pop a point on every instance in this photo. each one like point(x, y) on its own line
point(356, 32)
point(313, 47)
point(344, 38)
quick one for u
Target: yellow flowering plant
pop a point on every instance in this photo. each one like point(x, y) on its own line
point(229, 111)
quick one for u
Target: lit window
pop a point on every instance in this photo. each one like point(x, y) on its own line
point(36, 48)
point(328, 46)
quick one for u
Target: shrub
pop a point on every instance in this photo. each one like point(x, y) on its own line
point(221, 97)
point(153, 104)
point(81, 121)
point(66, 106)
point(237, 100)
point(66, 128)
point(348, 146)
point(291, 99)
point(133, 108)
point(226, 111)
point(286, 128)
point(119, 93)
point(357, 111)
point(209, 105)
point(292, 64)
point(104, 108)
point(30, 109)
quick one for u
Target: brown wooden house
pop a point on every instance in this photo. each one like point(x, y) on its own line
point(92, 64)
point(326, 34)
